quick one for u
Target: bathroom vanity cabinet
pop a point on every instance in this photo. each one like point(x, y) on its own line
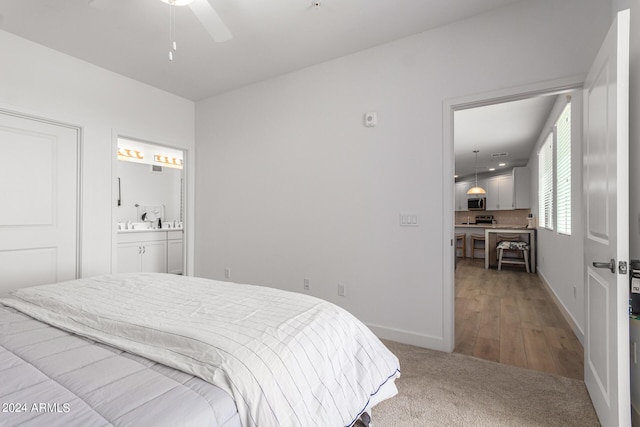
point(153, 251)
point(174, 252)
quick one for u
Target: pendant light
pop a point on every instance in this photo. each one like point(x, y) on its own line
point(476, 190)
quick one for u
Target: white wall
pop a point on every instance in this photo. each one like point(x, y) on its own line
point(292, 186)
point(39, 81)
point(561, 257)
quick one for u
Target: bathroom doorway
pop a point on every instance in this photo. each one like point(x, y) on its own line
point(149, 209)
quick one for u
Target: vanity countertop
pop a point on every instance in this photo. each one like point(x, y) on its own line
point(149, 230)
point(147, 227)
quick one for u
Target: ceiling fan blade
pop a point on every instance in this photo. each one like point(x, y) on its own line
point(100, 4)
point(210, 20)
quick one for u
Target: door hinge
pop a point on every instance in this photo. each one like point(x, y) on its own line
point(622, 267)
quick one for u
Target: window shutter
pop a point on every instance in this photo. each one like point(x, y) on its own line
point(545, 184)
point(563, 171)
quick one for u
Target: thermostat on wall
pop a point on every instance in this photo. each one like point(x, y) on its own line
point(370, 119)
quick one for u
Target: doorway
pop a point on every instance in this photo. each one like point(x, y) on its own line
point(606, 125)
point(40, 187)
point(149, 209)
point(511, 316)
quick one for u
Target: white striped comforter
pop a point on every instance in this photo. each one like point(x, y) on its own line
point(287, 359)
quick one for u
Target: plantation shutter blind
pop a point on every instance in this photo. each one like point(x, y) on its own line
point(563, 171)
point(545, 184)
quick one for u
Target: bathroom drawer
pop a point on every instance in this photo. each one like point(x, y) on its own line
point(174, 235)
point(141, 236)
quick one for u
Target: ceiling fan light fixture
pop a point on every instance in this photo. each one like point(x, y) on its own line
point(177, 2)
point(475, 191)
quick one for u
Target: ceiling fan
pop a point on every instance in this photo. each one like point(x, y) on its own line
point(207, 15)
point(202, 9)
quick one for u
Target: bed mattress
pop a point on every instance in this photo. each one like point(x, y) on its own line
point(286, 359)
point(54, 378)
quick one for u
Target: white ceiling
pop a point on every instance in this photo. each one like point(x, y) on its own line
point(270, 37)
point(510, 127)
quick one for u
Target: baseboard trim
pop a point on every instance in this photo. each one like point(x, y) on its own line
point(565, 313)
point(408, 337)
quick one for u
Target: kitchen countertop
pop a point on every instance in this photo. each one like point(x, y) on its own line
point(511, 227)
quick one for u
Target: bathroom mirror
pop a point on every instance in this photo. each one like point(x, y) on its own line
point(150, 183)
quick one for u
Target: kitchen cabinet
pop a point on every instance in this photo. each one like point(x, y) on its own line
point(174, 252)
point(521, 188)
point(461, 195)
point(142, 252)
point(500, 193)
point(504, 192)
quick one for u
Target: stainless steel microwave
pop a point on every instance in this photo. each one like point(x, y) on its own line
point(476, 203)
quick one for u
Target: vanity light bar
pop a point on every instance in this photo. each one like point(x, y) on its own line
point(126, 154)
point(172, 162)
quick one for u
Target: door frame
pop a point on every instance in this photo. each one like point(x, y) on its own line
point(79, 173)
point(187, 171)
point(450, 106)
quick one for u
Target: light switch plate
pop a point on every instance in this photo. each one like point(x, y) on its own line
point(409, 219)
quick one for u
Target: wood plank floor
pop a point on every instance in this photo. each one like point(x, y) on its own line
point(508, 317)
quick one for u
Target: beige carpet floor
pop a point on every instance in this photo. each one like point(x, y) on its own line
point(441, 389)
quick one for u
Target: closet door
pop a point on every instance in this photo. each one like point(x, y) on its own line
point(39, 208)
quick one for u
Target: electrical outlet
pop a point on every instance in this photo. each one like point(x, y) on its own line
point(575, 292)
point(342, 290)
point(307, 284)
point(227, 273)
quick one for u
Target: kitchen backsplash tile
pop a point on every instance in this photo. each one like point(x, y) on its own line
point(514, 217)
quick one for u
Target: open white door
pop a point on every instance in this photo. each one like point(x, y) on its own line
point(606, 241)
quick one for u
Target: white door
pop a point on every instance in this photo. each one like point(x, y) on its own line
point(606, 186)
point(461, 195)
point(493, 194)
point(506, 193)
point(129, 257)
point(154, 257)
point(39, 202)
point(500, 193)
point(174, 256)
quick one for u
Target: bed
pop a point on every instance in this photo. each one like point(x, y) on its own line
point(158, 349)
